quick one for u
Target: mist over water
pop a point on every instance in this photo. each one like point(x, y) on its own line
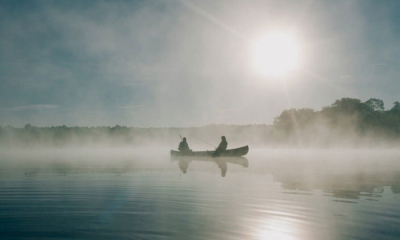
point(131, 194)
point(94, 95)
point(329, 174)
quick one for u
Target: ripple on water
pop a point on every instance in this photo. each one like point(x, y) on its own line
point(140, 203)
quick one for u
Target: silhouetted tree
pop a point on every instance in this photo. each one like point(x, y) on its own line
point(375, 104)
point(396, 107)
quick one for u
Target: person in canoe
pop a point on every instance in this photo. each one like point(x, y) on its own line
point(221, 147)
point(183, 146)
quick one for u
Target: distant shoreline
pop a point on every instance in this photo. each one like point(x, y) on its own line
point(347, 123)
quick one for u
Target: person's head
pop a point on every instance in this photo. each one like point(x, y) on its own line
point(184, 139)
point(223, 138)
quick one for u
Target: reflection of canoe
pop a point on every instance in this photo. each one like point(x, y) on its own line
point(233, 160)
point(236, 152)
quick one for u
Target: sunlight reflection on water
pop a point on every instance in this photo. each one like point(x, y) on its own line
point(267, 195)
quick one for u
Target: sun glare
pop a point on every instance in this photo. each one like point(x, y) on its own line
point(276, 54)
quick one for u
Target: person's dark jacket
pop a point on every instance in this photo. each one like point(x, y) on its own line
point(222, 146)
point(183, 146)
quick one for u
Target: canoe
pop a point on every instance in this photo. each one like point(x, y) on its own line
point(236, 152)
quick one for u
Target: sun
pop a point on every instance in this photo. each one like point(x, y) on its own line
point(276, 54)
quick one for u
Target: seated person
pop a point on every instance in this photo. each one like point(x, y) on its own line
point(183, 146)
point(221, 148)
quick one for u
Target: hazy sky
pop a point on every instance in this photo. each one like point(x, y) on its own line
point(188, 63)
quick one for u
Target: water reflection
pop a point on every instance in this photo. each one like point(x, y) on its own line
point(136, 195)
point(346, 186)
point(222, 163)
point(343, 177)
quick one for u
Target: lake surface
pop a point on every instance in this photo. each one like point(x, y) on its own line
point(136, 194)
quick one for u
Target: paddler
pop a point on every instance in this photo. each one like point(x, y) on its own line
point(183, 146)
point(221, 147)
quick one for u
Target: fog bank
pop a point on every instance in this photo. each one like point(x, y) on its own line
point(347, 123)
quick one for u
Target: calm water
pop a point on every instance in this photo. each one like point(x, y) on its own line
point(127, 194)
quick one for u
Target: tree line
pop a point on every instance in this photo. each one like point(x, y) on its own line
point(347, 122)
